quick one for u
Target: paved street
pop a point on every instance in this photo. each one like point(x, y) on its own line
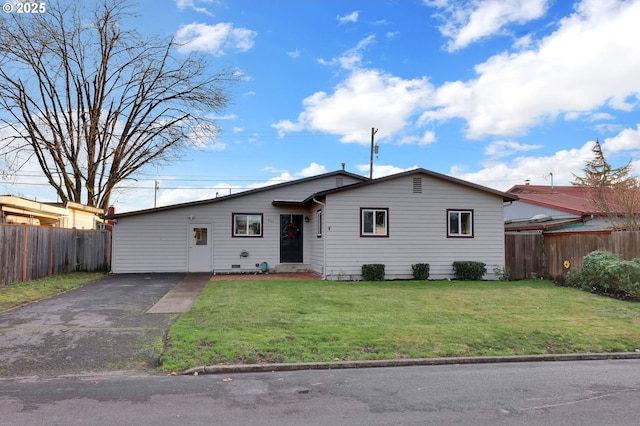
point(543, 393)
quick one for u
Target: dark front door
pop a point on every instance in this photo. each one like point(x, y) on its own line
point(291, 238)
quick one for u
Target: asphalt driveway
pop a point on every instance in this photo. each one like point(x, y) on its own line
point(96, 328)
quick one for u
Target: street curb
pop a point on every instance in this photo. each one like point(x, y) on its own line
point(258, 368)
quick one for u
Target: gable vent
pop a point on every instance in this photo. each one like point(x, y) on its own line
point(339, 182)
point(417, 185)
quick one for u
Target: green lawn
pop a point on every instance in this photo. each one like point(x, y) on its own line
point(17, 294)
point(304, 321)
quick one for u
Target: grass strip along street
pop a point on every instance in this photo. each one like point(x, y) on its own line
point(238, 322)
point(21, 293)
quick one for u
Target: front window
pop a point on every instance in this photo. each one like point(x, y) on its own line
point(374, 222)
point(247, 225)
point(460, 223)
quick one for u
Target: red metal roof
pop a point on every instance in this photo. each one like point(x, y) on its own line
point(572, 199)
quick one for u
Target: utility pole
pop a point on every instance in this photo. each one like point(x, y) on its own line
point(374, 147)
point(155, 193)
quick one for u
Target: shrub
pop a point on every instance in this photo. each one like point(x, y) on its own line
point(469, 270)
point(420, 271)
point(373, 272)
point(606, 272)
point(501, 273)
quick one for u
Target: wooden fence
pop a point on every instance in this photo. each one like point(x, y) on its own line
point(531, 256)
point(30, 252)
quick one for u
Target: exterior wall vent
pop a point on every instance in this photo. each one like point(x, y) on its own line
point(417, 185)
point(339, 182)
point(235, 266)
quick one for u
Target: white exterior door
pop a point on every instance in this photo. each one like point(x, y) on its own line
point(200, 241)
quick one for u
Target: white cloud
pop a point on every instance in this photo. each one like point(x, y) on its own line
point(626, 140)
point(224, 117)
point(352, 58)
point(294, 53)
point(503, 175)
point(499, 149)
point(183, 4)
point(351, 17)
point(427, 138)
point(364, 99)
point(215, 39)
point(582, 66)
point(185, 194)
point(470, 21)
point(382, 170)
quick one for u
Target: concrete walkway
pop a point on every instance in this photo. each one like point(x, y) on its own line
point(181, 297)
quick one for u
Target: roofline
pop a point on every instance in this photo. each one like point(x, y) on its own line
point(505, 196)
point(231, 196)
point(540, 226)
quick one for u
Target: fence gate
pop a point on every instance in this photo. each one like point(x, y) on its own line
point(524, 256)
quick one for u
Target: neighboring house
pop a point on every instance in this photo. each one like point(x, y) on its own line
point(331, 224)
point(63, 215)
point(542, 208)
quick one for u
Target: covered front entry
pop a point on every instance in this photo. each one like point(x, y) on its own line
point(199, 247)
point(291, 238)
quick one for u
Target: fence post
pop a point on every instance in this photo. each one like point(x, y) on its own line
point(24, 252)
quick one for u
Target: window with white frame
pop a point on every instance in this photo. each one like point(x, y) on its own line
point(247, 225)
point(460, 223)
point(374, 222)
point(319, 223)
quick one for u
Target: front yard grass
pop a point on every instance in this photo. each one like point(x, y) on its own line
point(236, 322)
point(21, 293)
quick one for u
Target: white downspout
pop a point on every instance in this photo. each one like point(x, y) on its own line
point(324, 238)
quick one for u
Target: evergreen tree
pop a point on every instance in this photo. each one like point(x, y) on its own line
point(599, 173)
point(613, 192)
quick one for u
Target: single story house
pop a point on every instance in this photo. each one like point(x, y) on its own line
point(331, 224)
point(18, 210)
point(542, 208)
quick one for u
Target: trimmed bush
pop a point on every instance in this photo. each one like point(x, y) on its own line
point(373, 272)
point(606, 272)
point(420, 271)
point(469, 270)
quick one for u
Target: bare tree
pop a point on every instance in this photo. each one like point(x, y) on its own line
point(612, 191)
point(94, 102)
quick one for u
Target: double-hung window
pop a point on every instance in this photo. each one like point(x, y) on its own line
point(374, 222)
point(247, 225)
point(460, 223)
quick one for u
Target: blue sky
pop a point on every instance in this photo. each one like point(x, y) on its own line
point(492, 91)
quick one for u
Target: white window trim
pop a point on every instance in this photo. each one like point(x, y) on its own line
point(319, 223)
point(247, 216)
point(460, 212)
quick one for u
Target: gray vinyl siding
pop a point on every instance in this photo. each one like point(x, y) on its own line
point(157, 241)
point(150, 243)
point(417, 229)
